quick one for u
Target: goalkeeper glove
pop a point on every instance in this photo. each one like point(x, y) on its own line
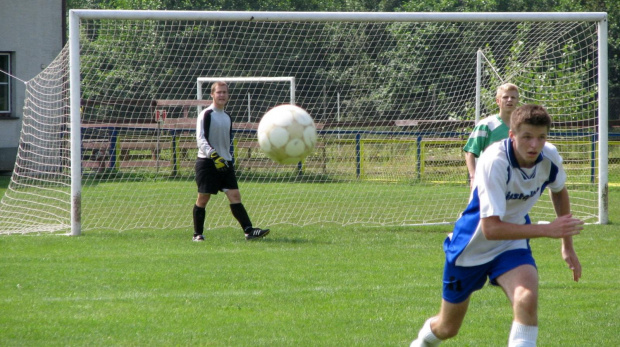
point(220, 163)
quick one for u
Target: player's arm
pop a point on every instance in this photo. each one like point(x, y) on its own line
point(203, 123)
point(561, 204)
point(470, 161)
point(493, 205)
point(565, 226)
point(473, 148)
point(203, 144)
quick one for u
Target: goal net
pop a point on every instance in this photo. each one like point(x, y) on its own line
point(108, 137)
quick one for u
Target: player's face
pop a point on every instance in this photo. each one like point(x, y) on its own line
point(508, 100)
point(220, 96)
point(528, 142)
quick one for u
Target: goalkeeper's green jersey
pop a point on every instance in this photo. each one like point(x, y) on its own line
point(489, 130)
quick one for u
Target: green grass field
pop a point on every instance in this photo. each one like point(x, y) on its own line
point(311, 286)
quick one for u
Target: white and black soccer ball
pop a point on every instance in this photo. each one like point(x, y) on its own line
point(287, 134)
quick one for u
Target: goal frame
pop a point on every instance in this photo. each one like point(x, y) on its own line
point(74, 61)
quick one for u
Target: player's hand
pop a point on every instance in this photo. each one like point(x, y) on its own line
point(565, 226)
point(220, 163)
point(570, 257)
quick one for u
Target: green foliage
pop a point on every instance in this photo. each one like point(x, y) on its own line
point(334, 74)
point(237, 5)
point(610, 6)
point(550, 76)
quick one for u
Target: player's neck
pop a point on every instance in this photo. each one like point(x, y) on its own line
point(218, 106)
point(505, 116)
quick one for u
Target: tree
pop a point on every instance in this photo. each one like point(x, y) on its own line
point(612, 7)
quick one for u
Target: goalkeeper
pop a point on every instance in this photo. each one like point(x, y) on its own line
point(491, 129)
point(214, 170)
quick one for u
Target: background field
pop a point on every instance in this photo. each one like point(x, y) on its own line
point(310, 286)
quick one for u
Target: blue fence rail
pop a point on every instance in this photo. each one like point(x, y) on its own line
point(112, 134)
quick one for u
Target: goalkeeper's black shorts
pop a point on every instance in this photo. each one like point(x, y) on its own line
point(210, 181)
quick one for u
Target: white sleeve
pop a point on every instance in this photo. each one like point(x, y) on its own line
point(490, 180)
point(201, 138)
point(551, 152)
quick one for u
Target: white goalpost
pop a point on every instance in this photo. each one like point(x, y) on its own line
point(108, 135)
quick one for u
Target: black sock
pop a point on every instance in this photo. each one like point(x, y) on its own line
point(199, 220)
point(242, 215)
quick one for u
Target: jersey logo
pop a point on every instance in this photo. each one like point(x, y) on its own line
point(521, 196)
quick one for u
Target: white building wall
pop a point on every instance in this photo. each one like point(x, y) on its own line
point(32, 30)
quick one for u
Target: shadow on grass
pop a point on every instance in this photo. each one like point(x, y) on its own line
point(289, 240)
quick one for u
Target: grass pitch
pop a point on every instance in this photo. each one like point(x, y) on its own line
point(311, 286)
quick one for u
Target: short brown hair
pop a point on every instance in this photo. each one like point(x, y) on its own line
point(530, 114)
point(218, 84)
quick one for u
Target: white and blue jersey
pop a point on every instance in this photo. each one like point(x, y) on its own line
point(501, 188)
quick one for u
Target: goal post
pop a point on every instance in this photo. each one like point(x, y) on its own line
point(395, 94)
point(603, 125)
point(75, 123)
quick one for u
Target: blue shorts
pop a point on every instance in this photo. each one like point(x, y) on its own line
point(459, 282)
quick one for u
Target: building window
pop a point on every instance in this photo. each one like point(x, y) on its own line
point(5, 84)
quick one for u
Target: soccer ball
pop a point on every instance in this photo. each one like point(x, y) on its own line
point(287, 134)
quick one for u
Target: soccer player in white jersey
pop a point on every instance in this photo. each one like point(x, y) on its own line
point(491, 238)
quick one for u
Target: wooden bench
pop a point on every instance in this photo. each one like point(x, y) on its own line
point(443, 159)
point(95, 155)
point(99, 155)
point(249, 160)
